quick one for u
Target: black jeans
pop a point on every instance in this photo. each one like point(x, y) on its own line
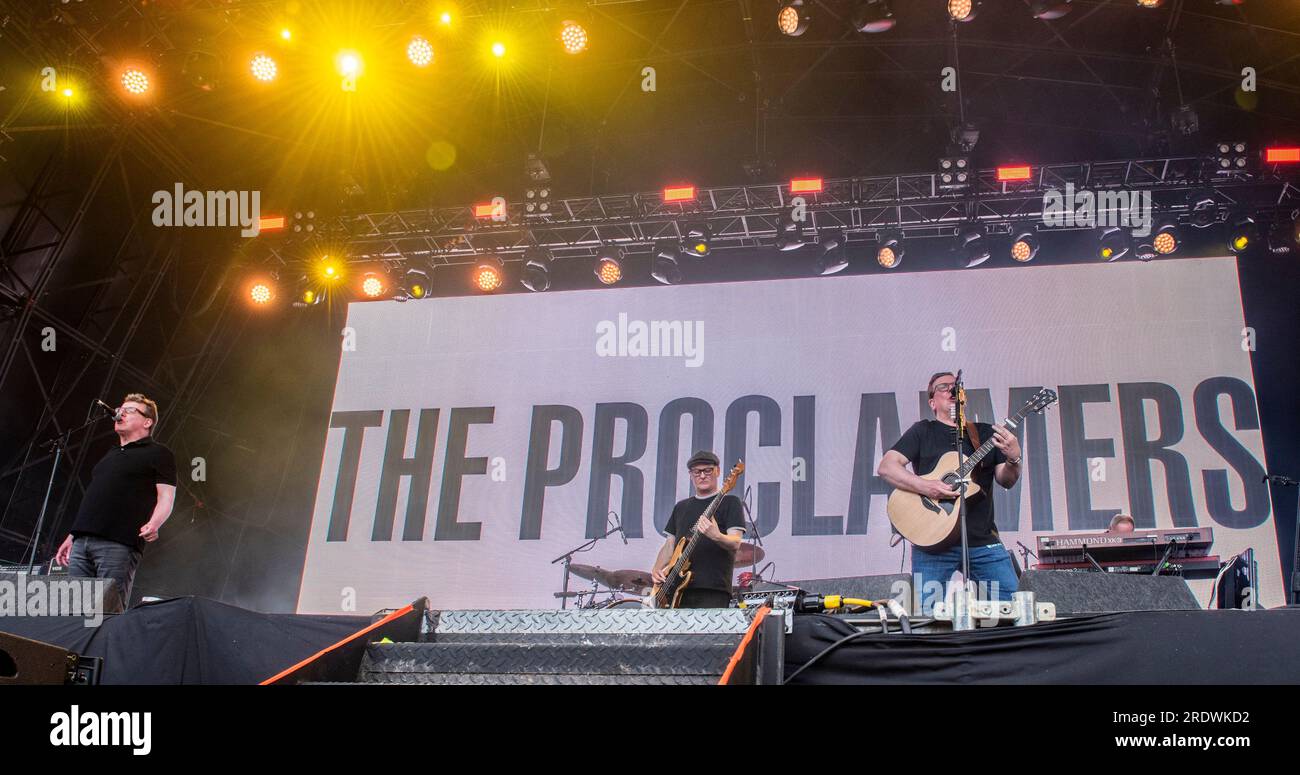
point(100, 558)
point(705, 598)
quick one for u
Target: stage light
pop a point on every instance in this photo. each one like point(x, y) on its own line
point(1114, 244)
point(574, 37)
point(792, 19)
point(1282, 155)
point(286, 34)
point(536, 275)
point(1024, 247)
point(307, 293)
point(873, 16)
point(962, 10)
point(1166, 241)
point(263, 68)
point(135, 81)
point(270, 223)
point(488, 274)
point(954, 173)
point(806, 186)
point(1014, 173)
point(420, 52)
point(1150, 3)
point(666, 267)
point(537, 201)
point(261, 291)
point(1282, 238)
point(415, 284)
point(1048, 10)
point(373, 284)
point(1242, 233)
point(889, 249)
point(833, 257)
point(498, 49)
point(494, 210)
point(329, 269)
point(349, 64)
point(973, 245)
point(304, 221)
point(609, 266)
point(67, 92)
point(789, 233)
point(679, 194)
point(698, 241)
point(1230, 156)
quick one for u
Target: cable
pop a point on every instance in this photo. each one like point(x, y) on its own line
point(823, 653)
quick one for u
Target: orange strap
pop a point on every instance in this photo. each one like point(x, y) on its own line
point(974, 434)
point(744, 643)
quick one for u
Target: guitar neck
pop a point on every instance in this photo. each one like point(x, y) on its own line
point(974, 458)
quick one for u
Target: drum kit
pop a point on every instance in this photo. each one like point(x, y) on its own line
point(627, 588)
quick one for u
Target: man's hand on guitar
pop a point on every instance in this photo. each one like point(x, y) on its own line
point(937, 490)
point(1006, 441)
point(708, 528)
point(658, 574)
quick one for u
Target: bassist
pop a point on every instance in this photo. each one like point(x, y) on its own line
point(922, 445)
point(714, 556)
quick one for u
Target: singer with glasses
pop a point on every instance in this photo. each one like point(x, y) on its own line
point(921, 446)
point(130, 496)
point(713, 560)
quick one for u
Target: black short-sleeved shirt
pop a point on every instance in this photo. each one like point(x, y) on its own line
point(711, 565)
point(123, 492)
point(927, 441)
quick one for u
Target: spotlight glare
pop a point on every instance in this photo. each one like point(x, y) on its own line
point(1165, 243)
point(498, 49)
point(1024, 247)
point(488, 274)
point(792, 19)
point(1150, 3)
point(261, 293)
point(373, 285)
point(285, 34)
point(420, 52)
point(67, 92)
point(263, 68)
point(961, 10)
point(135, 81)
point(574, 37)
point(890, 253)
point(609, 267)
point(349, 64)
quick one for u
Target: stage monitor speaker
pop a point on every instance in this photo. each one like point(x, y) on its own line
point(24, 661)
point(895, 585)
point(1079, 593)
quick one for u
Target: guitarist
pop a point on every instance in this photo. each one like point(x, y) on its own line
point(922, 445)
point(714, 556)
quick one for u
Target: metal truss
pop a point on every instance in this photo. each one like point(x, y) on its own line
point(749, 215)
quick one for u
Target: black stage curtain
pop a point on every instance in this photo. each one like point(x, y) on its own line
point(190, 640)
point(1145, 647)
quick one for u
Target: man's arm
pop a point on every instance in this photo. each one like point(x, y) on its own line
point(1007, 473)
point(661, 560)
point(894, 471)
point(162, 509)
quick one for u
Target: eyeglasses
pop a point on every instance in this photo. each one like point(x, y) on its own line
point(942, 387)
point(702, 471)
point(129, 410)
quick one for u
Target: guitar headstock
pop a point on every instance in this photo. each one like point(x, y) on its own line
point(1041, 400)
point(736, 471)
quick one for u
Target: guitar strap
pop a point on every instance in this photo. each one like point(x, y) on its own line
point(974, 434)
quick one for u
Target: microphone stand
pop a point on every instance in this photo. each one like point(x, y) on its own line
point(57, 443)
point(567, 559)
point(751, 522)
point(962, 611)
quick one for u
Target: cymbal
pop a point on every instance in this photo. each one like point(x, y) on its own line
point(588, 572)
point(634, 581)
point(748, 554)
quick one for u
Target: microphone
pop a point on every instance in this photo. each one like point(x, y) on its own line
point(1276, 479)
point(956, 383)
point(618, 522)
point(111, 411)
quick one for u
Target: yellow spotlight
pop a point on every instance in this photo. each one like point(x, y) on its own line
point(263, 68)
point(574, 37)
point(1165, 243)
point(498, 49)
point(445, 18)
point(349, 64)
point(135, 81)
point(420, 52)
point(285, 34)
point(67, 92)
point(330, 269)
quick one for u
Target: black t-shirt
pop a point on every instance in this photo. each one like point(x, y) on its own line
point(927, 441)
point(123, 492)
point(711, 565)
